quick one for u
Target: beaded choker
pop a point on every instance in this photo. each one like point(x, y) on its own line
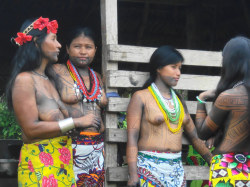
point(238, 83)
point(95, 91)
point(169, 115)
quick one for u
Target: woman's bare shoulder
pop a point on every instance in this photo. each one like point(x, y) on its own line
point(59, 68)
point(141, 94)
point(25, 78)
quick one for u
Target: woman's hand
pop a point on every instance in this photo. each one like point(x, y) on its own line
point(209, 94)
point(210, 142)
point(133, 181)
point(89, 120)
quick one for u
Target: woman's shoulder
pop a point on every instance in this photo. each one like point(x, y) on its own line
point(238, 91)
point(230, 97)
point(59, 67)
point(142, 94)
point(24, 79)
point(97, 74)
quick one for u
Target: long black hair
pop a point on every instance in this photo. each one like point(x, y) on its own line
point(235, 66)
point(161, 57)
point(27, 58)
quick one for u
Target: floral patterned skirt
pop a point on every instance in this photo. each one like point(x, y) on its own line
point(46, 163)
point(231, 169)
point(160, 169)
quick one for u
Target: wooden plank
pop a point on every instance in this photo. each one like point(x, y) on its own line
point(120, 105)
point(127, 53)
point(116, 135)
point(109, 36)
point(109, 32)
point(120, 135)
point(191, 172)
point(137, 79)
point(109, 22)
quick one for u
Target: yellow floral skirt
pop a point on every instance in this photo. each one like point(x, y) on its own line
point(47, 163)
point(231, 169)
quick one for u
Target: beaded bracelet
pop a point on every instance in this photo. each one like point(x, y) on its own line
point(200, 101)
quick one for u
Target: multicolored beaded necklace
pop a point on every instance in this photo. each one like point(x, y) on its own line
point(95, 92)
point(178, 107)
point(173, 113)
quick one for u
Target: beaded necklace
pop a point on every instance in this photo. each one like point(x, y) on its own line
point(165, 113)
point(238, 83)
point(173, 113)
point(95, 92)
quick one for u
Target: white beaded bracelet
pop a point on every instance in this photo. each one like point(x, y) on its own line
point(66, 125)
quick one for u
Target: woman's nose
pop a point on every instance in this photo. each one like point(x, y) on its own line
point(82, 50)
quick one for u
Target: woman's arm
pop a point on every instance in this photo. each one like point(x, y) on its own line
point(208, 124)
point(104, 100)
point(25, 106)
point(134, 114)
point(199, 145)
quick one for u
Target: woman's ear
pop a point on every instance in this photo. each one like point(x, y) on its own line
point(35, 39)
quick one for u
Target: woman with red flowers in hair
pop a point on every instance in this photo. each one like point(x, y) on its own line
point(46, 155)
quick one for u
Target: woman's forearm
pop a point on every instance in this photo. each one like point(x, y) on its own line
point(132, 152)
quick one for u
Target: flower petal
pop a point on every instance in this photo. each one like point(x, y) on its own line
point(232, 165)
point(248, 163)
point(245, 168)
point(224, 164)
point(229, 159)
point(239, 166)
point(245, 174)
point(235, 172)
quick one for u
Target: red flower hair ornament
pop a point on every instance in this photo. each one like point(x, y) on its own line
point(40, 24)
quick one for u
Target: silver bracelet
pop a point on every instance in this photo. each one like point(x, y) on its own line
point(66, 125)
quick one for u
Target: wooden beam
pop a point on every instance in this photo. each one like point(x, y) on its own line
point(127, 53)
point(120, 135)
point(109, 30)
point(133, 79)
point(121, 104)
point(116, 174)
point(109, 22)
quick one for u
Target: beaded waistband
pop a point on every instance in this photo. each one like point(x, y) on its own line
point(89, 138)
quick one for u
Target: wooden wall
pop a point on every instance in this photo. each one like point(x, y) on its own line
point(113, 54)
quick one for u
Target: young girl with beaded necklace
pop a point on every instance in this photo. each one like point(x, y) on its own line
point(46, 155)
point(81, 90)
point(229, 116)
point(156, 118)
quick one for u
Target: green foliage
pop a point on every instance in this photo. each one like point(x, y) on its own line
point(9, 129)
point(122, 121)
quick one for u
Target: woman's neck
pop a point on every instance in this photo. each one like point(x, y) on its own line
point(42, 67)
point(163, 88)
point(83, 71)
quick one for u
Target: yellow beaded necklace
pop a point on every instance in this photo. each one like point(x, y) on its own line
point(166, 119)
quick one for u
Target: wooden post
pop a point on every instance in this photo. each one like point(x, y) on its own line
point(109, 36)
